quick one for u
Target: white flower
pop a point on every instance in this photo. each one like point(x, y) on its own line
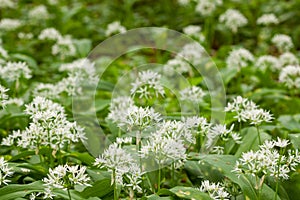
point(118, 108)
point(66, 177)
point(207, 7)
point(114, 27)
point(176, 65)
point(184, 2)
point(116, 159)
point(193, 94)
point(233, 19)
point(268, 62)
point(3, 96)
point(13, 71)
point(239, 58)
point(10, 24)
point(290, 76)
point(218, 150)
point(139, 118)
point(164, 149)
point(39, 13)
point(126, 140)
point(283, 42)
point(214, 190)
point(267, 19)
point(7, 4)
point(281, 142)
point(288, 58)
point(192, 52)
point(50, 34)
point(237, 138)
point(192, 30)
point(47, 90)
point(16, 101)
point(146, 83)
point(216, 132)
point(5, 171)
point(64, 47)
point(256, 116)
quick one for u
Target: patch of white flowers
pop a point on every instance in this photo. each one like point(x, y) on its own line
point(176, 65)
point(215, 190)
point(49, 127)
point(193, 94)
point(268, 160)
point(147, 83)
point(50, 34)
point(39, 13)
point(267, 19)
point(233, 19)
point(13, 71)
point(7, 4)
point(239, 58)
point(290, 76)
point(8, 24)
point(268, 62)
point(114, 27)
point(247, 110)
point(207, 7)
point(5, 172)
point(283, 42)
point(194, 32)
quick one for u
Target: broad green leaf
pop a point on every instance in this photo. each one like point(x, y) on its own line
point(156, 197)
point(99, 189)
point(290, 122)
point(14, 191)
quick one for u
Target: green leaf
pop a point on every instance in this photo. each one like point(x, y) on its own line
point(99, 189)
point(156, 197)
point(83, 46)
point(85, 157)
point(290, 122)
point(15, 191)
point(189, 193)
point(101, 104)
point(295, 140)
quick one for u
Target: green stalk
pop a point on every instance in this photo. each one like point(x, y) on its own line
point(158, 178)
point(115, 185)
point(259, 139)
point(69, 194)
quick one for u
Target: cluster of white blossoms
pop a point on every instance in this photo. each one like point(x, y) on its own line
point(192, 53)
point(239, 58)
point(194, 32)
point(193, 94)
point(288, 58)
point(3, 54)
point(268, 62)
point(283, 42)
point(290, 76)
point(65, 177)
point(120, 162)
point(50, 34)
point(220, 132)
point(268, 160)
point(7, 4)
point(8, 24)
point(166, 145)
point(247, 110)
point(49, 127)
point(215, 190)
point(64, 47)
point(13, 71)
point(207, 7)
point(25, 36)
point(39, 13)
point(267, 19)
point(80, 73)
point(147, 83)
point(5, 172)
point(114, 27)
point(233, 19)
point(176, 65)
point(3, 96)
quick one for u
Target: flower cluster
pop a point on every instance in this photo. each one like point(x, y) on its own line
point(215, 190)
point(49, 127)
point(268, 62)
point(247, 110)
point(114, 27)
point(268, 160)
point(207, 7)
point(239, 58)
point(193, 94)
point(5, 171)
point(8, 24)
point(176, 65)
point(267, 19)
point(13, 71)
point(147, 82)
point(290, 76)
point(233, 19)
point(283, 42)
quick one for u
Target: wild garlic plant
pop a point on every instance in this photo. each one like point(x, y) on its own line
point(271, 160)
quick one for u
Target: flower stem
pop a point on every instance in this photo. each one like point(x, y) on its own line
point(69, 194)
point(115, 186)
point(158, 178)
point(258, 133)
